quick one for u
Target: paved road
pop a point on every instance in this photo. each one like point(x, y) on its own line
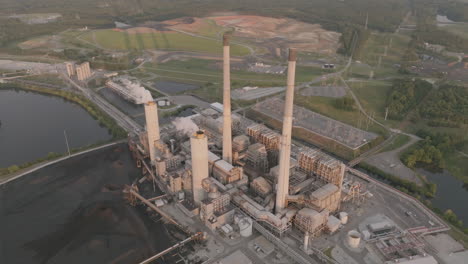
point(441, 226)
point(390, 162)
point(122, 119)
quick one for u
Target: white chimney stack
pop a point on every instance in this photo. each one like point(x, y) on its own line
point(227, 122)
point(199, 148)
point(152, 127)
point(285, 145)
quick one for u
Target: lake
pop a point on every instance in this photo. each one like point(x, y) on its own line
point(33, 125)
point(450, 193)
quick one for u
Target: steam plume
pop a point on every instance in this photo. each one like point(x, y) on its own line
point(185, 125)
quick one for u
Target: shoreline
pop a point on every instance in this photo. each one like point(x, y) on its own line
point(115, 131)
point(37, 166)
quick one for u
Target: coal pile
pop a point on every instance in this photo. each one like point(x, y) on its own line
point(74, 212)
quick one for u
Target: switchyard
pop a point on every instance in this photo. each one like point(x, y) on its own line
point(317, 124)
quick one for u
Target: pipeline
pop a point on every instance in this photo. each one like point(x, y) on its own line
point(181, 243)
point(159, 211)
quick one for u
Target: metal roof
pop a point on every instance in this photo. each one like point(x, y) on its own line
point(324, 191)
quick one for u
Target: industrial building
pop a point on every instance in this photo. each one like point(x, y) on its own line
point(232, 175)
point(81, 71)
point(130, 90)
point(232, 164)
point(321, 130)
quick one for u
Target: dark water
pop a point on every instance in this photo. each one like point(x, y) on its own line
point(173, 87)
point(33, 125)
point(74, 212)
point(450, 193)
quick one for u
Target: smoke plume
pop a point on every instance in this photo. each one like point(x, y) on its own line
point(185, 125)
point(142, 95)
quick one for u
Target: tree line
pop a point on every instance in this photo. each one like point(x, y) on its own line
point(427, 29)
point(446, 107)
point(405, 93)
point(429, 153)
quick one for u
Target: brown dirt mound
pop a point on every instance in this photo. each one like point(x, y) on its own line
point(293, 33)
point(189, 24)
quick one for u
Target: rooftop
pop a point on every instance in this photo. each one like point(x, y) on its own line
point(235, 258)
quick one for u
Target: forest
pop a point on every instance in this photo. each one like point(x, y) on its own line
point(427, 29)
point(447, 107)
point(405, 93)
point(454, 10)
point(429, 152)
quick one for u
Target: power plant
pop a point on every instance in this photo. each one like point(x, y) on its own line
point(216, 176)
point(230, 173)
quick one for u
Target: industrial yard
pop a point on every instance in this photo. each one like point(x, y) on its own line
point(225, 183)
point(222, 167)
point(351, 137)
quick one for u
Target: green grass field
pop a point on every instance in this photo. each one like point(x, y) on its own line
point(373, 97)
point(324, 106)
point(375, 46)
point(208, 76)
point(460, 30)
point(115, 40)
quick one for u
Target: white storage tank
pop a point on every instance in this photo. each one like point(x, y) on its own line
point(344, 218)
point(354, 238)
point(245, 227)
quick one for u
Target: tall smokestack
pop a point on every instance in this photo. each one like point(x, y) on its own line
point(152, 127)
point(227, 130)
point(199, 148)
point(285, 148)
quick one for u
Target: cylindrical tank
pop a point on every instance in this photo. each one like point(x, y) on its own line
point(306, 241)
point(245, 227)
point(344, 218)
point(354, 238)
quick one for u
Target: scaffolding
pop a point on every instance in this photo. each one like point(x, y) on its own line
point(323, 166)
point(257, 157)
point(309, 220)
point(270, 139)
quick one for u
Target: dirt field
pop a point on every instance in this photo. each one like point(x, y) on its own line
point(73, 212)
point(44, 42)
point(292, 33)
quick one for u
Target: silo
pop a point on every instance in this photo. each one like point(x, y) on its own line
point(245, 227)
point(354, 238)
point(343, 218)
